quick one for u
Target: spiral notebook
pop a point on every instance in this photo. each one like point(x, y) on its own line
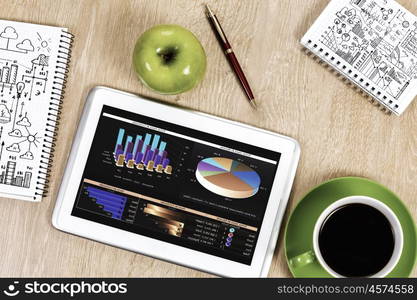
point(33, 67)
point(373, 43)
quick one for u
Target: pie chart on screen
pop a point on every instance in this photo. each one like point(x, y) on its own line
point(227, 177)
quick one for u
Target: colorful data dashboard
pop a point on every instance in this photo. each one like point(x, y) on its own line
point(176, 184)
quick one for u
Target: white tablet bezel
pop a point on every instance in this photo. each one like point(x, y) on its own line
point(99, 96)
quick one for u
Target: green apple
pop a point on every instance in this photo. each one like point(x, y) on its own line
point(169, 59)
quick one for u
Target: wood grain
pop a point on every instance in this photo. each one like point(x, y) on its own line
point(339, 132)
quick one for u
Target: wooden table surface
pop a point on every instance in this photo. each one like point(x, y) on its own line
point(340, 133)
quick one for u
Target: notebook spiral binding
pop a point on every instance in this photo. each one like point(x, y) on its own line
point(349, 76)
point(55, 105)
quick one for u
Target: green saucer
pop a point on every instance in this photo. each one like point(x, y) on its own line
point(299, 231)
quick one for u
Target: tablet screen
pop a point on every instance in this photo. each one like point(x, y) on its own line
point(176, 184)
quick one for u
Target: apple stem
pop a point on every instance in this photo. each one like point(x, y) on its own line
point(168, 56)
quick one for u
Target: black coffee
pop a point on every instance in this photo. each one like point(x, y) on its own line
point(356, 240)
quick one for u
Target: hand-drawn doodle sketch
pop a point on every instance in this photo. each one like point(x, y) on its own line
point(5, 116)
point(373, 43)
point(24, 70)
point(378, 40)
point(27, 137)
point(43, 43)
point(9, 33)
point(33, 69)
point(25, 45)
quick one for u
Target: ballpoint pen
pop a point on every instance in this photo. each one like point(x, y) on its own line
point(231, 57)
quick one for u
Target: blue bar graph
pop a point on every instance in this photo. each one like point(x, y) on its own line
point(135, 148)
point(155, 142)
point(119, 138)
point(109, 202)
point(147, 141)
point(162, 146)
point(147, 152)
point(129, 140)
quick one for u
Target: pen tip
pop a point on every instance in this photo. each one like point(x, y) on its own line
point(209, 10)
point(254, 104)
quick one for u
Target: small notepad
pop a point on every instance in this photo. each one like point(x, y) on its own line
point(373, 43)
point(33, 68)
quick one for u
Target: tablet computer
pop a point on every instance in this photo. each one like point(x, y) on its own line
point(177, 185)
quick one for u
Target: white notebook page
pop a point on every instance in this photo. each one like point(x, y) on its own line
point(28, 59)
point(374, 44)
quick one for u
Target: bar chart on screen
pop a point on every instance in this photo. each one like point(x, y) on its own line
point(112, 204)
point(143, 152)
point(108, 203)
